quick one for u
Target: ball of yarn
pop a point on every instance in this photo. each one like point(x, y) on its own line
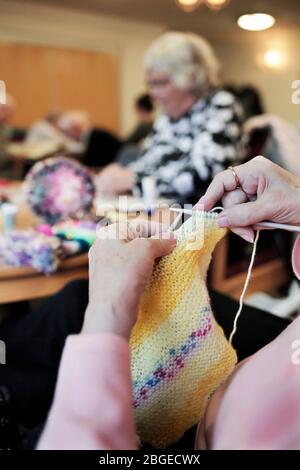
point(58, 188)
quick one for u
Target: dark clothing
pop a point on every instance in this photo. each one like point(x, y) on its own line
point(34, 344)
point(141, 131)
point(102, 148)
point(255, 327)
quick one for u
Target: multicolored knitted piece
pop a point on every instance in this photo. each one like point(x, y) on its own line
point(179, 353)
point(58, 188)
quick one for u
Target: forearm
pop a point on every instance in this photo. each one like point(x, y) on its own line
point(205, 430)
point(92, 406)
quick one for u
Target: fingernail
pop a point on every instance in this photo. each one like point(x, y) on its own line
point(223, 221)
point(247, 237)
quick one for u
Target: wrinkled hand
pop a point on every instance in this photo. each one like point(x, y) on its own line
point(120, 264)
point(267, 192)
point(114, 180)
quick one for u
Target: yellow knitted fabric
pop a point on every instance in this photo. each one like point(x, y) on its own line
point(179, 353)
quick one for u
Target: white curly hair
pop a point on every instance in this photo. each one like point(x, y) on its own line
point(187, 58)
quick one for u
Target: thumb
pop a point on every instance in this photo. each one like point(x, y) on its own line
point(243, 215)
point(151, 248)
point(162, 247)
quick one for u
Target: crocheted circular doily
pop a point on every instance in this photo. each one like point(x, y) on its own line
point(58, 188)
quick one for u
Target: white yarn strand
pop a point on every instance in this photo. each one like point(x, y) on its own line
point(241, 303)
point(217, 208)
point(249, 272)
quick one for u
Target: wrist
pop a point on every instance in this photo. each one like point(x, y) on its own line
point(293, 202)
point(102, 318)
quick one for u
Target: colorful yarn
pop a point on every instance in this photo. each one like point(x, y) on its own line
point(179, 353)
point(79, 230)
point(44, 248)
point(59, 188)
point(30, 248)
point(176, 361)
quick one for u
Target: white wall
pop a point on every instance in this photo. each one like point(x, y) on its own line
point(39, 24)
point(240, 54)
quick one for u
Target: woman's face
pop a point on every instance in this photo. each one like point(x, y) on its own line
point(172, 100)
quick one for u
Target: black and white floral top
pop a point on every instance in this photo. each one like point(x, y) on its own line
point(183, 155)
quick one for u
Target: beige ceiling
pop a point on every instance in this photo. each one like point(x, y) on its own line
point(287, 12)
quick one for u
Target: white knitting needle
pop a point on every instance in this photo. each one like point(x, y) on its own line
point(272, 225)
point(175, 223)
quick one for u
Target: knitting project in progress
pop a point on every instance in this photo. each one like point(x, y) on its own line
point(179, 353)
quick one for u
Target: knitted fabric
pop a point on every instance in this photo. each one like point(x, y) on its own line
point(179, 353)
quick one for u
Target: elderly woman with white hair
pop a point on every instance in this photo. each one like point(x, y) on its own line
point(198, 132)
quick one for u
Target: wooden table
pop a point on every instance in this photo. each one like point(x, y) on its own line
point(25, 283)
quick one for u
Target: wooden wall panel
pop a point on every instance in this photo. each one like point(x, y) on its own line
point(43, 78)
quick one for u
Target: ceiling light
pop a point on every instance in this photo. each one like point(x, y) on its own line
point(256, 22)
point(216, 4)
point(273, 59)
point(188, 5)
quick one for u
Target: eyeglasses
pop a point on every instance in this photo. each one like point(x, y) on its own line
point(158, 83)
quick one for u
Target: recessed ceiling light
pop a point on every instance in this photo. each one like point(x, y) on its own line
point(216, 4)
point(256, 22)
point(188, 5)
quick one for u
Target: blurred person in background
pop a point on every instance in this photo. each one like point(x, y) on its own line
point(8, 134)
point(48, 136)
point(144, 108)
point(249, 98)
point(104, 147)
point(132, 145)
point(74, 133)
point(198, 132)
point(75, 126)
point(6, 113)
point(282, 144)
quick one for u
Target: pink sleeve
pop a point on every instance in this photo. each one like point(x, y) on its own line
point(92, 404)
point(260, 408)
point(296, 257)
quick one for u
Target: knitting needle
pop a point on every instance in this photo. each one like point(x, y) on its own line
point(272, 225)
point(175, 223)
